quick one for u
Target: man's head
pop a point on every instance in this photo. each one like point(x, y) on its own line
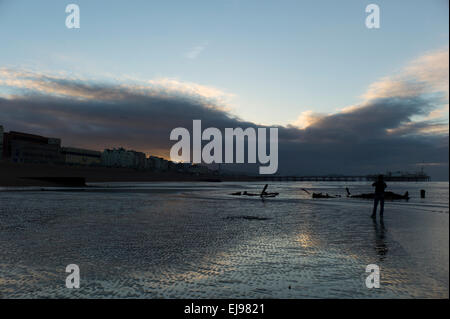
point(380, 178)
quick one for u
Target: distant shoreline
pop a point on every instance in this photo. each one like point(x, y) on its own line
point(19, 175)
point(13, 174)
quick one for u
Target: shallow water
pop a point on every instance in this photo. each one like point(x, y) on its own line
point(194, 240)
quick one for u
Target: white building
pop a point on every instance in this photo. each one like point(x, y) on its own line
point(79, 156)
point(121, 157)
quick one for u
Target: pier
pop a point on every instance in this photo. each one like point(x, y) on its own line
point(352, 178)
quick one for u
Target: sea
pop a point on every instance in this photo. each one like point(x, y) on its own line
point(196, 240)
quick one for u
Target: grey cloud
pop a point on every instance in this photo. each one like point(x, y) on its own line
point(351, 142)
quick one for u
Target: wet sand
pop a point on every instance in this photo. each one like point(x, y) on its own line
point(193, 240)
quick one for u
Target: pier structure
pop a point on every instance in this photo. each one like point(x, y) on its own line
point(352, 178)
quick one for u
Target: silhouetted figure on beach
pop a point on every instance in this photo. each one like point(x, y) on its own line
point(380, 186)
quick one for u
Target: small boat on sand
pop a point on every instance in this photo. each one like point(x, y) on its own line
point(245, 193)
point(263, 194)
point(387, 195)
point(320, 195)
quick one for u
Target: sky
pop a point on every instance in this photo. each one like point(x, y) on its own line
point(346, 99)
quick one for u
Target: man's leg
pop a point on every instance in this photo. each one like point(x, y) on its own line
point(375, 205)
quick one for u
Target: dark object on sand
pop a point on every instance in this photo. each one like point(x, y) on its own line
point(320, 195)
point(244, 193)
point(422, 193)
point(246, 217)
point(392, 196)
point(263, 194)
point(61, 181)
point(387, 195)
point(264, 190)
point(249, 194)
point(269, 195)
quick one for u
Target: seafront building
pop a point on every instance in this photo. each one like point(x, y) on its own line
point(120, 157)
point(158, 163)
point(199, 169)
point(19, 147)
point(79, 156)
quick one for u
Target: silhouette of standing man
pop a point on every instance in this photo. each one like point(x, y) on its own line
point(379, 185)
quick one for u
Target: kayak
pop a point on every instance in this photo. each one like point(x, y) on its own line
point(253, 194)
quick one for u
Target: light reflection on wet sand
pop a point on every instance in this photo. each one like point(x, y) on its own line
point(180, 244)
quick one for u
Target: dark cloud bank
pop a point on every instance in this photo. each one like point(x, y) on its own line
point(375, 137)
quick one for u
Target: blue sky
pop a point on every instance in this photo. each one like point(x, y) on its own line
point(273, 59)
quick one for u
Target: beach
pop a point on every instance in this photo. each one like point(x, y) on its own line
point(195, 240)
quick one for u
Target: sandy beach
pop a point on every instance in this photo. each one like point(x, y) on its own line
point(194, 240)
